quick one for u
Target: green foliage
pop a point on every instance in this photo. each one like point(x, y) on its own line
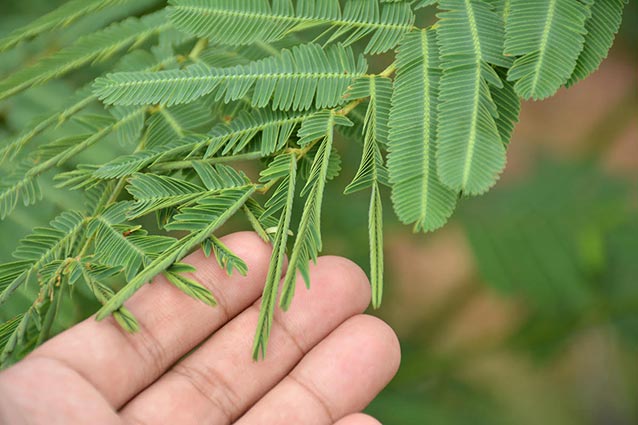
point(170, 105)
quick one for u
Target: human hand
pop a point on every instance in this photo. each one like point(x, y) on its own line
point(325, 359)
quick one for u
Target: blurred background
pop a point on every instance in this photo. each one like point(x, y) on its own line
point(522, 310)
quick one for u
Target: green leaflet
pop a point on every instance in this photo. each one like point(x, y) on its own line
point(470, 152)
point(417, 194)
point(548, 48)
point(296, 79)
point(235, 23)
point(601, 28)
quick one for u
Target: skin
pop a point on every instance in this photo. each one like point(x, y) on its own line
point(326, 360)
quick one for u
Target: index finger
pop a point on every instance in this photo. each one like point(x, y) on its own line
point(120, 364)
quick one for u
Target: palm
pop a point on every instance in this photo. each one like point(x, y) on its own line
point(325, 359)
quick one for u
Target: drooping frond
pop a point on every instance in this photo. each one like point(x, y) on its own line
point(235, 23)
point(372, 171)
point(601, 27)
point(284, 168)
point(201, 220)
point(62, 16)
point(375, 131)
point(417, 194)
point(470, 154)
point(548, 36)
point(318, 129)
point(118, 243)
point(95, 47)
point(295, 79)
point(44, 245)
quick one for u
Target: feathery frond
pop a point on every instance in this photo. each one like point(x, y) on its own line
point(548, 48)
point(236, 23)
point(372, 171)
point(417, 194)
point(470, 154)
point(291, 80)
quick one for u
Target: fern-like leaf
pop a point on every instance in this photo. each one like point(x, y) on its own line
point(548, 35)
point(236, 23)
point(294, 80)
point(470, 154)
point(372, 172)
point(417, 194)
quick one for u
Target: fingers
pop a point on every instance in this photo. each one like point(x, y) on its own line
point(119, 364)
point(220, 380)
point(338, 377)
point(31, 393)
point(358, 419)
